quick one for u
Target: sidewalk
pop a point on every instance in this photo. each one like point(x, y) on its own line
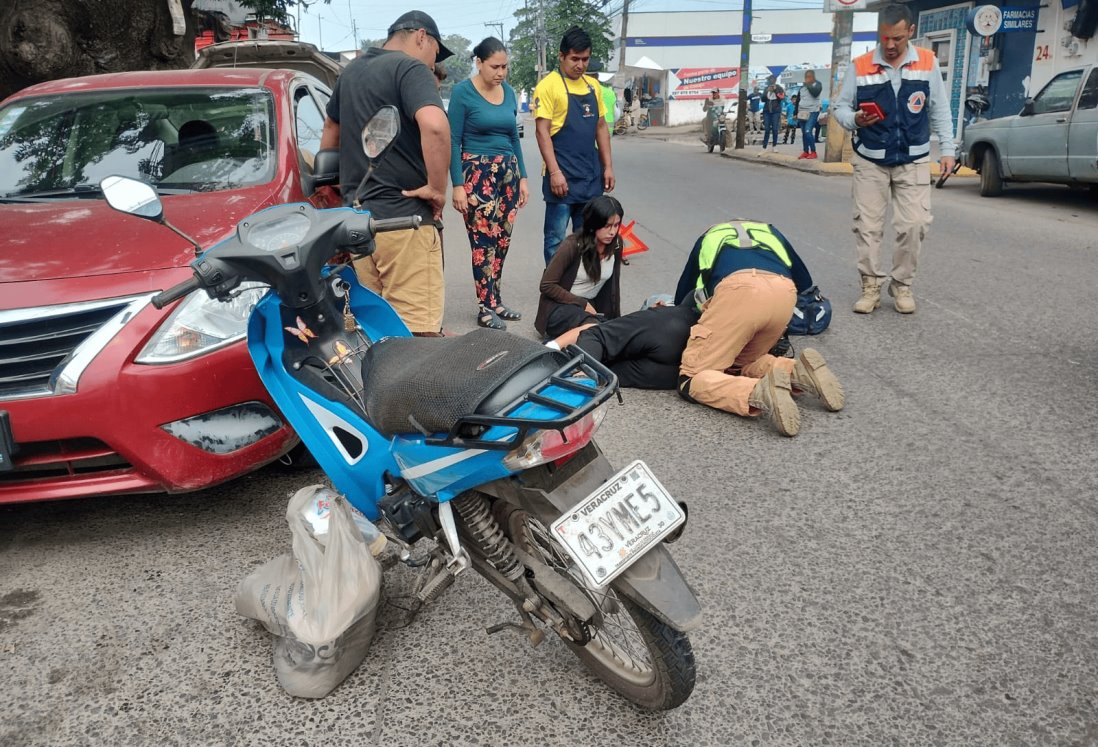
point(783, 155)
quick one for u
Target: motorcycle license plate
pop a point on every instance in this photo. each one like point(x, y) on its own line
point(612, 528)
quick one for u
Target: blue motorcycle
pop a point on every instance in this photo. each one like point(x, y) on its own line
point(482, 443)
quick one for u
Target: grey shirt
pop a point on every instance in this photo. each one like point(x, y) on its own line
point(941, 118)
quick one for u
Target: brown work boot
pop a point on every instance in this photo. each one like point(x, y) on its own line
point(812, 376)
point(902, 297)
point(772, 395)
point(871, 295)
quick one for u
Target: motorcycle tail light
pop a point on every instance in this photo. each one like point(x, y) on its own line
point(550, 446)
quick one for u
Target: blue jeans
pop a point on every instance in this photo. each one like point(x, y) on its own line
point(808, 127)
point(772, 122)
point(557, 215)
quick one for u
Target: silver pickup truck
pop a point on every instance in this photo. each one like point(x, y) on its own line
point(1054, 139)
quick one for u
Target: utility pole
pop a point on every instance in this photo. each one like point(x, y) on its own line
point(842, 37)
point(624, 32)
point(497, 25)
point(745, 73)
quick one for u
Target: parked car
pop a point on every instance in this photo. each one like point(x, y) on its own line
point(104, 393)
point(1054, 139)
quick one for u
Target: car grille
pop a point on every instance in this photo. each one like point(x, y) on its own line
point(36, 343)
point(50, 460)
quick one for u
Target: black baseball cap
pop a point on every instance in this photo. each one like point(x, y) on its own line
point(414, 20)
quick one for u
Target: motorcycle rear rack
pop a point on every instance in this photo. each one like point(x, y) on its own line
point(606, 384)
point(344, 376)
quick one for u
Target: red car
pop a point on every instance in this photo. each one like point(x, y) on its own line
point(100, 392)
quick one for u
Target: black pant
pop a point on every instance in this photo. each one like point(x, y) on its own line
point(644, 348)
point(565, 316)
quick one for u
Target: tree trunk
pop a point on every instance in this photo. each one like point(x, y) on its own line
point(44, 40)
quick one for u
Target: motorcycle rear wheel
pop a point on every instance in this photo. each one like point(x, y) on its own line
point(641, 658)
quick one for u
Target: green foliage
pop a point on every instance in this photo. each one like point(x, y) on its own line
point(278, 10)
point(559, 16)
point(460, 66)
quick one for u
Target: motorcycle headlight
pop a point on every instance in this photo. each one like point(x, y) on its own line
point(201, 325)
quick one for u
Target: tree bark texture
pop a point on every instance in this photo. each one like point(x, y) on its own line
point(44, 40)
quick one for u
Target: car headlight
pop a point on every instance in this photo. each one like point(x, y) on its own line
point(201, 325)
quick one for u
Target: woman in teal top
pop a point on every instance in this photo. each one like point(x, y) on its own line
point(488, 174)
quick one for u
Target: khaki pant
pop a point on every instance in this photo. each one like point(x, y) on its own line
point(406, 270)
point(747, 314)
point(907, 188)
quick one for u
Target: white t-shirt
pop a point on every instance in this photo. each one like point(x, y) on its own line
point(584, 287)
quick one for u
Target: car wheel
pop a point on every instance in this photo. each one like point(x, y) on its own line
point(991, 180)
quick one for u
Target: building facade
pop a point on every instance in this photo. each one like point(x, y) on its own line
point(990, 69)
point(678, 57)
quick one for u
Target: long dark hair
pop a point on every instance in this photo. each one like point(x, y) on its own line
point(596, 214)
point(488, 47)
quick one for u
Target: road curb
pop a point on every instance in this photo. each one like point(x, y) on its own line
point(783, 160)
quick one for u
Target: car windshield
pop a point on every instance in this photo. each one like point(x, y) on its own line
point(187, 139)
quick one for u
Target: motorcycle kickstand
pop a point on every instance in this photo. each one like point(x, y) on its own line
point(533, 633)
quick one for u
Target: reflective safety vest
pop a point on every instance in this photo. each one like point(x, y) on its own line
point(739, 234)
point(903, 136)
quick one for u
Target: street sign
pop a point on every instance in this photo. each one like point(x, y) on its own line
point(834, 6)
point(761, 38)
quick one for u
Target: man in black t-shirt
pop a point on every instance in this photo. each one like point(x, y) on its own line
point(411, 178)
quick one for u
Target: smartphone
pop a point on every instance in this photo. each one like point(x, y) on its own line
point(872, 109)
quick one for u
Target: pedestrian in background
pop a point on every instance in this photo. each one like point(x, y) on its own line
point(892, 153)
point(610, 101)
point(488, 173)
point(808, 113)
point(582, 283)
point(772, 111)
point(440, 75)
point(406, 266)
point(789, 114)
point(754, 109)
point(570, 124)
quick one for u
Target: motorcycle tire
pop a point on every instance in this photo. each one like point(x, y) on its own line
point(641, 658)
point(642, 123)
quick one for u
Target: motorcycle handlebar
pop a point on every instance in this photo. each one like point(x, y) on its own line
point(396, 224)
point(165, 297)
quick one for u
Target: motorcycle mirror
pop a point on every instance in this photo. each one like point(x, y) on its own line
point(380, 131)
point(131, 196)
point(137, 198)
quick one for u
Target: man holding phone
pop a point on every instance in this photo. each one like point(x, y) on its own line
point(892, 99)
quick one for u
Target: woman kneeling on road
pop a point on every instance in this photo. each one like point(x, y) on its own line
point(582, 283)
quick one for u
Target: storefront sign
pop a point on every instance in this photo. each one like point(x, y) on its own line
point(1019, 19)
point(698, 82)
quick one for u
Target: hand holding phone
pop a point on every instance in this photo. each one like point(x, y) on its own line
point(872, 109)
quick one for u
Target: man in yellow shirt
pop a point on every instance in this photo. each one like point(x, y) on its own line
point(573, 138)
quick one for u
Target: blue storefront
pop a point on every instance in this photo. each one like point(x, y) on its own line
point(977, 68)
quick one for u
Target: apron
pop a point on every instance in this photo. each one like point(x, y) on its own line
point(574, 146)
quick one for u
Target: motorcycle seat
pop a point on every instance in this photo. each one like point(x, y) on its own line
point(417, 384)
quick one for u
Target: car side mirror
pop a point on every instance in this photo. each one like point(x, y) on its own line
point(133, 197)
point(1027, 108)
point(326, 168)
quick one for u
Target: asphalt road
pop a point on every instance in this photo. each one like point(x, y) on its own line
point(916, 569)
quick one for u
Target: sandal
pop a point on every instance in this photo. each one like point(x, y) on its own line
point(488, 318)
point(505, 313)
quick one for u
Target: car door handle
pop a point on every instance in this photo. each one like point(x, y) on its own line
point(1061, 120)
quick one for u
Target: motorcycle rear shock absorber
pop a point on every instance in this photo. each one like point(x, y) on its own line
point(486, 533)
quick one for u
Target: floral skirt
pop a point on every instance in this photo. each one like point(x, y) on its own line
point(492, 187)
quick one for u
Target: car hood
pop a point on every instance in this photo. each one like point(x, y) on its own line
point(57, 239)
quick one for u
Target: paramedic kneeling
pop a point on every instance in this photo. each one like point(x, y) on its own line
point(745, 276)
